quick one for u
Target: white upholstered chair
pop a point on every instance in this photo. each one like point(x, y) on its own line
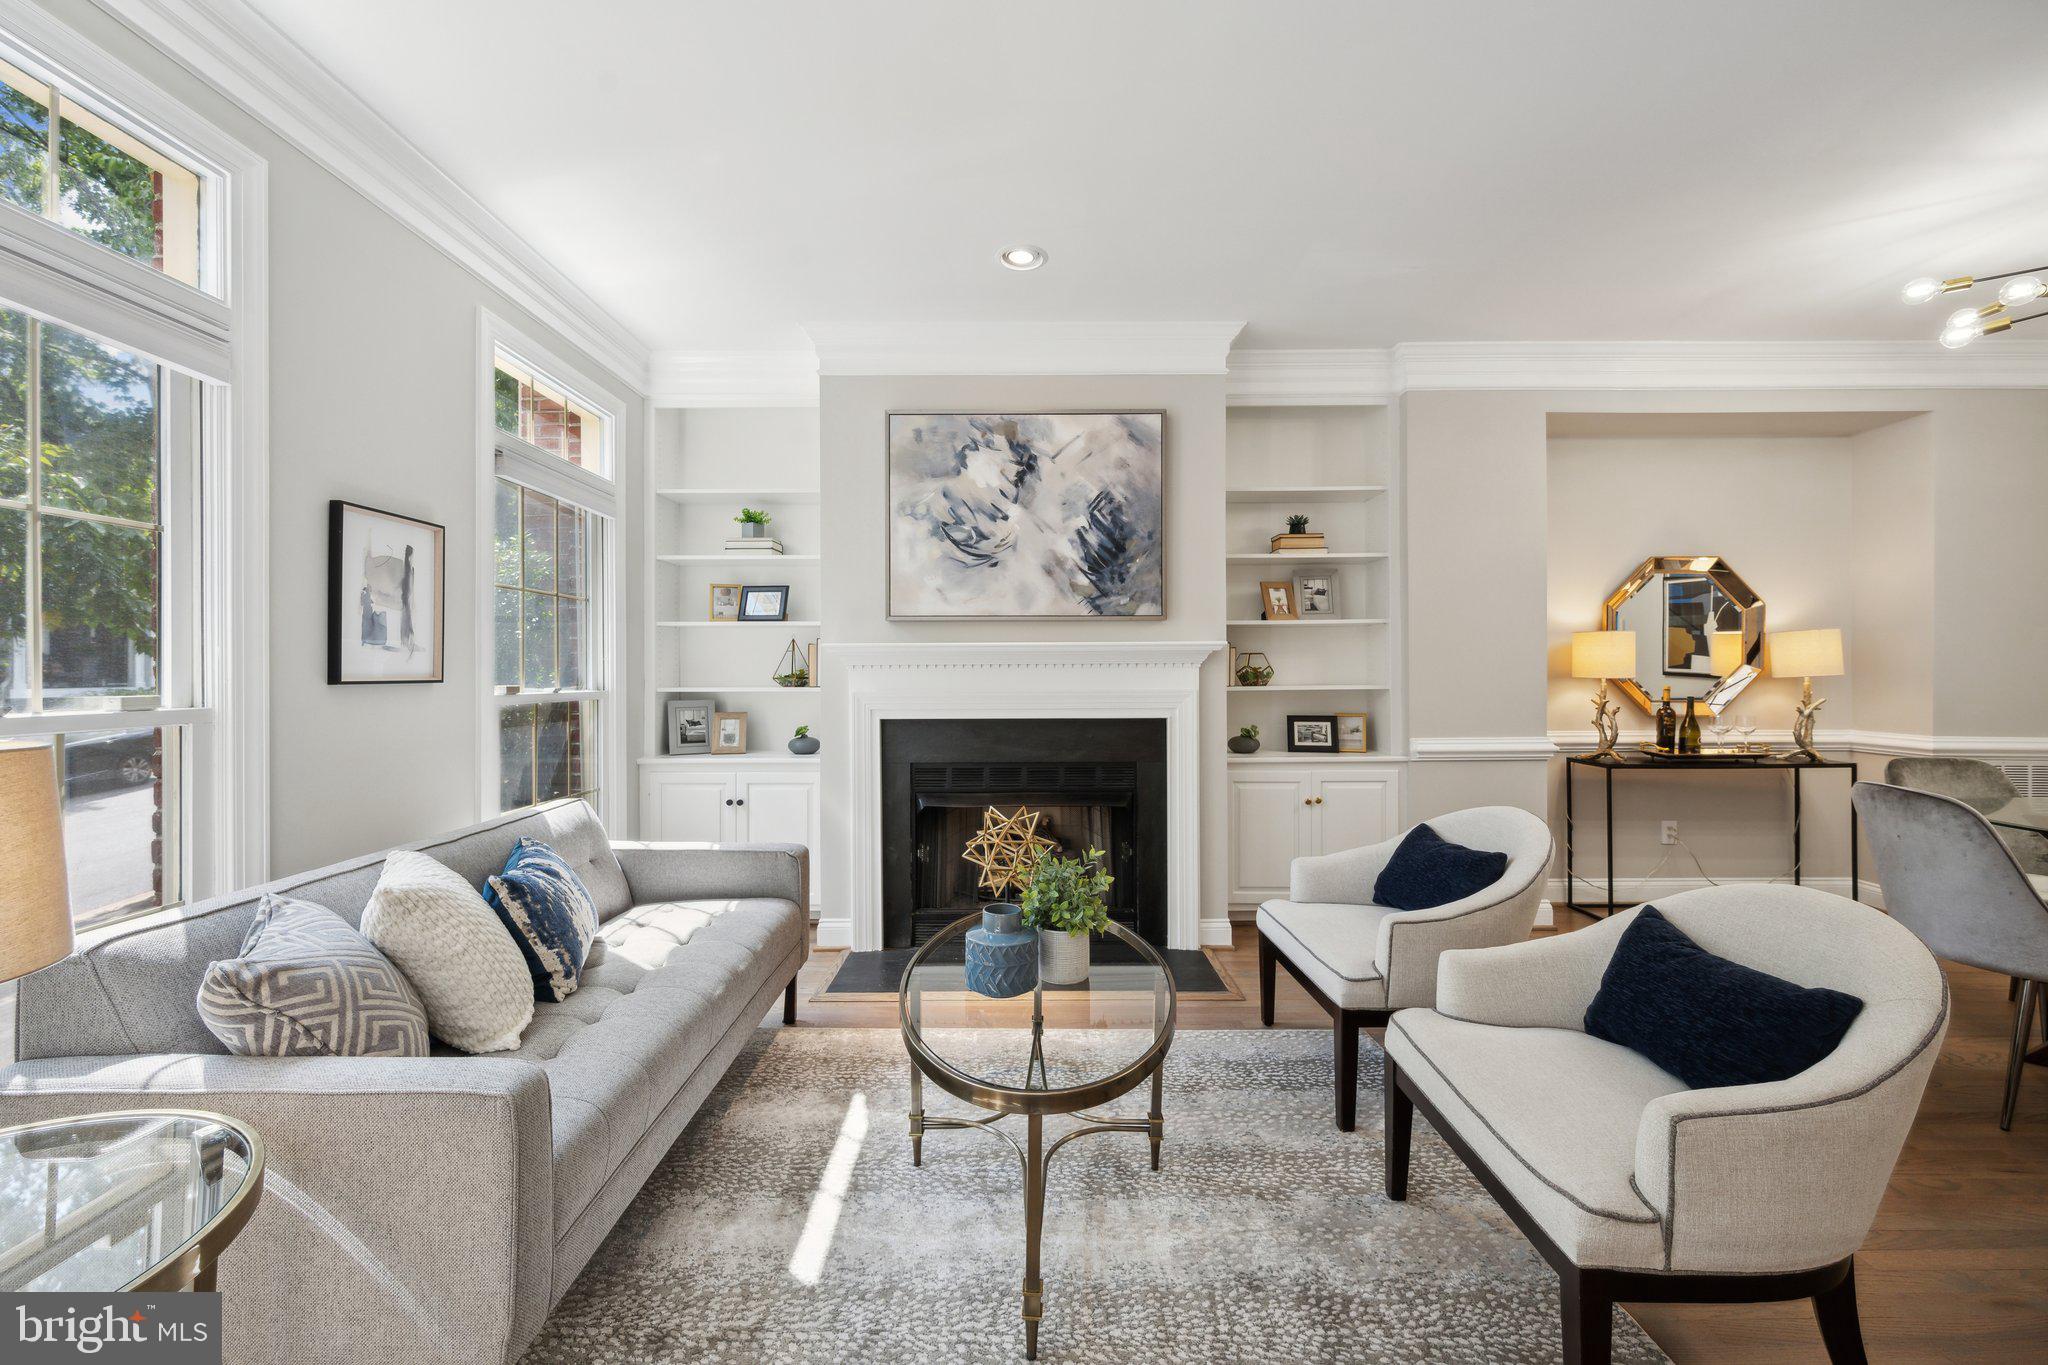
point(1360, 961)
point(1637, 1189)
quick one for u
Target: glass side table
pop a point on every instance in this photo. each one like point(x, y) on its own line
point(997, 1056)
point(130, 1200)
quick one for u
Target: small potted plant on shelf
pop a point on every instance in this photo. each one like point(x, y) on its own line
point(753, 524)
point(803, 741)
point(1297, 525)
point(1064, 903)
point(1245, 741)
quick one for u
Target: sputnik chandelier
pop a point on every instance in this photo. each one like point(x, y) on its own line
point(1965, 325)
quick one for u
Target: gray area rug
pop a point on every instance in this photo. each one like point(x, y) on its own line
point(788, 1225)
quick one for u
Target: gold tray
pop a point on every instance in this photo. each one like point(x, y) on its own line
point(1756, 749)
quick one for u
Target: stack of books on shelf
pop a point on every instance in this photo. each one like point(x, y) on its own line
point(759, 545)
point(1299, 543)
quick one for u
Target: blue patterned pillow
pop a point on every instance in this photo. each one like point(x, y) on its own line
point(550, 914)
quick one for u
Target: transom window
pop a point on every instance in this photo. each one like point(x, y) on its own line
point(544, 414)
point(61, 161)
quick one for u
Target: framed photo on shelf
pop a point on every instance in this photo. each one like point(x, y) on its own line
point(1351, 732)
point(764, 602)
point(689, 725)
point(725, 602)
point(729, 732)
point(385, 591)
point(1311, 734)
point(1276, 601)
point(1315, 593)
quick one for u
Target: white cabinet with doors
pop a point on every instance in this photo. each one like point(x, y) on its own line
point(1280, 811)
point(744, 801)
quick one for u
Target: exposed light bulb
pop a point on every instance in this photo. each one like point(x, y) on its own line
point(1963, 317)
point(1921, 290)
point(1955, 338)
point(2025, 289)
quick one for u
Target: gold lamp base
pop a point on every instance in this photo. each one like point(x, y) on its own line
point(1802, 719)
point(1605, 729)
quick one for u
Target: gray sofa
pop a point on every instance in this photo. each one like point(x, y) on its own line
point(435, 1209)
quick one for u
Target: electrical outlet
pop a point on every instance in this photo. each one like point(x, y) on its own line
point(1668, 833)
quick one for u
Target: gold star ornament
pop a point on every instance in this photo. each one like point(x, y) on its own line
point(1006, 849)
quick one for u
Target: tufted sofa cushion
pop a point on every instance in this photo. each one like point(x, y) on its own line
point(662, 984)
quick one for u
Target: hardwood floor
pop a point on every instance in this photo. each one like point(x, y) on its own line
point(1956, 1268)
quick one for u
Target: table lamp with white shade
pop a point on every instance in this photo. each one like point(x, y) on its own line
point(1806, 654)
point(35, 900)
point(1604, 654)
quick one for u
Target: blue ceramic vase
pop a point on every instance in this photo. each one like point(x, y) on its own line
point(1002, 955)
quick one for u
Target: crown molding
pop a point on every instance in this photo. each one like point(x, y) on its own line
point(1374, 376)
point(1001, 348)
point(244, 56)
point(733, 379)
point(1278, 378)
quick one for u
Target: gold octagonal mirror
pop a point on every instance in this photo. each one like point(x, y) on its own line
point(1699, 630)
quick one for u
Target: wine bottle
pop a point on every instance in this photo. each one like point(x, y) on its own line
point(1667, 724)
point(1689, 733)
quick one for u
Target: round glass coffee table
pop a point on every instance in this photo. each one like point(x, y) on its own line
point(129, 1200)
point(998, 1055)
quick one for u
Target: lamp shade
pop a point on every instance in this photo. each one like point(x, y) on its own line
point(1807, 653)
point(35, 901)
point(1604, 654)
point(1724, 647)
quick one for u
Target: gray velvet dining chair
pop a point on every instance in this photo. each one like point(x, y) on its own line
point(1949, 878)
point(1983, 788)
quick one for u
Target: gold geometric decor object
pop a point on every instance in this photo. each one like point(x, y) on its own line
point(1007, 849)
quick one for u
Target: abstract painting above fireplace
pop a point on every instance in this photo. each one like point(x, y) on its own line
point(1096, 783)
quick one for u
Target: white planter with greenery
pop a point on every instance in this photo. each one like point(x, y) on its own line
point(1064, 902)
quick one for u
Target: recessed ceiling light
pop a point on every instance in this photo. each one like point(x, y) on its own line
point(1023, 257)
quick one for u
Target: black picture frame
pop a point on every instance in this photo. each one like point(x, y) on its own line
point(753, 590)
point(350, 597)
point(1328, 743)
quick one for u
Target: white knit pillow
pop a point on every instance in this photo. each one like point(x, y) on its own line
point(454, 950)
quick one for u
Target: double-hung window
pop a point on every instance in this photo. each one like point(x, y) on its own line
point(116, 388)
point(552, 569)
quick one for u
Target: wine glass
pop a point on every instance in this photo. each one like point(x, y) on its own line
point(1719, 726)
point(1746, 727)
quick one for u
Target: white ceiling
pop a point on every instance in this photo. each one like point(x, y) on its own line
point(1338, 172)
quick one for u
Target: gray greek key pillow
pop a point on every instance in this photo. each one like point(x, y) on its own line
point(308, 985)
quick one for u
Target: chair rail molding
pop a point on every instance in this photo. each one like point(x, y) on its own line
point(955, 680)
point(1482, 748)
point(998, 348)
point(1990, 748)
point(248, 59)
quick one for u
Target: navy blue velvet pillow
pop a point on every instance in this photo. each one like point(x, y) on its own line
point(550, 915)
point(1706, 1020)
point(1428, 870)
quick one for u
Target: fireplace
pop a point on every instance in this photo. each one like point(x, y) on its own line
point(1097, 783)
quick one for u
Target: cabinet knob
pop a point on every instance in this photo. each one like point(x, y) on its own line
point(728, 800)
point(741, 802)
point(1319, 800)
point(1308, 800)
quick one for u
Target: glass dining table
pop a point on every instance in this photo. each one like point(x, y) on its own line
point(2022, 813)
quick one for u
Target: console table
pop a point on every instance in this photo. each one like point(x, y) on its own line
point(1795, 763)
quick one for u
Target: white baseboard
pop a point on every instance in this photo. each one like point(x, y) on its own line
point(1215, 933)
point(835, 932)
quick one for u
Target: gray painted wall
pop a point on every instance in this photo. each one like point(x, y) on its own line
point(373, 355)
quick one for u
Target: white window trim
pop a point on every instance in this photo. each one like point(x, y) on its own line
point(546, 473)
point(67, 280)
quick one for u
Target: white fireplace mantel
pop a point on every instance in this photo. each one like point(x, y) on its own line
point(960, 680)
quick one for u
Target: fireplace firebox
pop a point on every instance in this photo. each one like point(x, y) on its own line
point(1096, 784)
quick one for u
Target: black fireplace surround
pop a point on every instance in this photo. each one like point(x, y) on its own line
point(1097, 782)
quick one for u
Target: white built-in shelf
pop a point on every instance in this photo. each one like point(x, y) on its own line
point(748, 689)
point(1325, 557)
point(1312, 687)
point(1242, 760)
point(1335, 492)
point(728, 625)
point(1314, 621)
point(743, 497)
point(727, 760)
point(738, 557)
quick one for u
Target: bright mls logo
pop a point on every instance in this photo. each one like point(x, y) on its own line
point(162, 1329)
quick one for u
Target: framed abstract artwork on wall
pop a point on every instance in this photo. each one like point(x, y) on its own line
point(386, 584)
point(1026, 515)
